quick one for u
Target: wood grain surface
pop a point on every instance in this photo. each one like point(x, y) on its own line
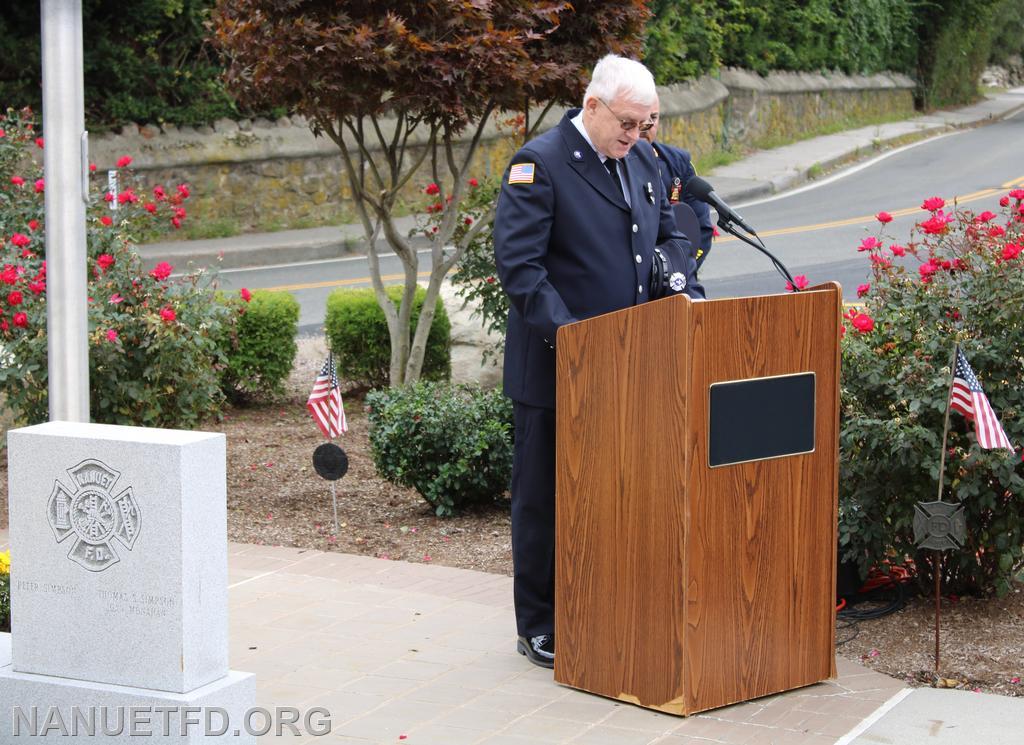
point(681, 587)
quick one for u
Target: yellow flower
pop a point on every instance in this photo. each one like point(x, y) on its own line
point(5, 562)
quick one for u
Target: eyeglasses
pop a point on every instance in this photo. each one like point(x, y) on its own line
point(628, 125)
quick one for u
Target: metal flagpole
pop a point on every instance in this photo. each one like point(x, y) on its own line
point(937, 561)
point(334, 499)
point(66, 172)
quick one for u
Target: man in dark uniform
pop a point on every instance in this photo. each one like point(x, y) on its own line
point(676, 169)
point(581, 210)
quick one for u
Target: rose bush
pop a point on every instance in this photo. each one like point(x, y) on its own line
point(959, 278)
point(153, 356)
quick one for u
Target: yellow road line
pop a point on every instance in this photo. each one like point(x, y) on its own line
point(972, 197)
point(340, 282)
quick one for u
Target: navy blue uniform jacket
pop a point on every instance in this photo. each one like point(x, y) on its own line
point(568, 247)
point(675, 162)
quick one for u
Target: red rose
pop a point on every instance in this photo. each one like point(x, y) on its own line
point(1011, 251)
point(40, 186)
point(104, 261)
point(883, 217)
point(246, 295)
point(20, 319)
point(180, 213)
point(167, 314)
point(161, 271)
point(936, 225)
point(432, 189)
point(127, 197)
point(39, 142)
point(801, 283)
point(108, 197)
point(897, 250)
point(933, 203)
point(9, 275)
point(985, 216)
point(1004, 202)
point(869, 244)
point(17, 180)
point(38, 287)
point(124, 161)
point(13, 298)
point(20, 240)
point(3, 321)
point(926, 270)
point(183, 191)
point(106, 220)
point(33, 224)
point(111, 335)
point(176, 222)
point(996, 231)
point(880, 261)
point(490, 280)
point(1017, 194)
point(469, 221)
point(92, 168)
point(159, 193)
point(474, 183)
point(863, 290)
point(863, 323)
point(150, 207)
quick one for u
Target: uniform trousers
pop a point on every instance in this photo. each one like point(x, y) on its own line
point(533, 519)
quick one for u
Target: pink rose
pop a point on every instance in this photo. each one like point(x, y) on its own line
point(161, 271)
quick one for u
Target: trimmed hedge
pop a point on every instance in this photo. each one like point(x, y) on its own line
point(262, 349)
point(453, 444)
point(358, 334)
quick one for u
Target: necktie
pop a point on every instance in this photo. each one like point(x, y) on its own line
point(613, 168)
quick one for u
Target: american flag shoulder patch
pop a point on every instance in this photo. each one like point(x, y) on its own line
point(521, 173)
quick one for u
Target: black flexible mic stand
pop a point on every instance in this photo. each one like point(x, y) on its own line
point(728, 227)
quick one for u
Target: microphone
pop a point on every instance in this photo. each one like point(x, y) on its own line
point(703, 191)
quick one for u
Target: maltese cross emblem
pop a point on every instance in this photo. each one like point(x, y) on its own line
point(91, 515)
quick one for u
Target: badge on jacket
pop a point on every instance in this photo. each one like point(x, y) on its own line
point(677, 187)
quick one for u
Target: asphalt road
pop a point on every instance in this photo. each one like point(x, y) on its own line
point(814, 230)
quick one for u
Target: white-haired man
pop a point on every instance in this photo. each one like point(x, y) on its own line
point(581, 209)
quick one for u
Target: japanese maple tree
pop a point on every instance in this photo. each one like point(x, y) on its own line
point(406, 86)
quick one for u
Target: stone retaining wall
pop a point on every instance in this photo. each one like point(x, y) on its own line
point(263, 175)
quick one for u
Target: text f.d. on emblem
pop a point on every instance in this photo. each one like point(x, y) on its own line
point(90, 514)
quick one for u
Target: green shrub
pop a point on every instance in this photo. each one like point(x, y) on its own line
point(965, 282)
point(149, 62)
point(153, 355)
point(261, 351)
point(358, 335)
point(453, 444)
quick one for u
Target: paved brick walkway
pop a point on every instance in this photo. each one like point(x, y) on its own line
point(425, 655)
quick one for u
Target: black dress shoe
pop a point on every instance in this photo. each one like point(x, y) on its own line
point(540, 650)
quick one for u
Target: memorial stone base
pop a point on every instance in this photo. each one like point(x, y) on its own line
point(119, 587)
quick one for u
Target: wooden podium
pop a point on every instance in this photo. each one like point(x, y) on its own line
point(681, 585)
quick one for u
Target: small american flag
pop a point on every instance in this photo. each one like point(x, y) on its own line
point(970, 400)
point(324, 402)
point(521, 173)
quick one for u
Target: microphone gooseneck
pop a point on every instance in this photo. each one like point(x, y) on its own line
point(728, 219)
